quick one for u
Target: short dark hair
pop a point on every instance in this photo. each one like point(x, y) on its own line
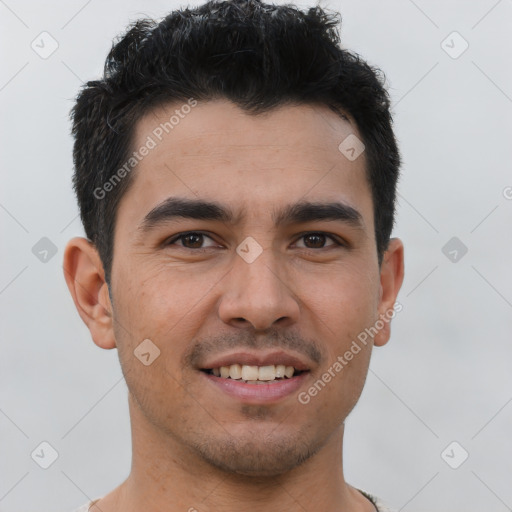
point(256, 55)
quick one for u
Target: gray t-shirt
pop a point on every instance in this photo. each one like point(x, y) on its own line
point(379, 505)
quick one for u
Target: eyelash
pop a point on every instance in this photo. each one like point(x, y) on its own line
point(180, 236)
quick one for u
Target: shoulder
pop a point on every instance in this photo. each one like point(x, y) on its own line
point(379, 504)
point(86, 506)
point(83, 508)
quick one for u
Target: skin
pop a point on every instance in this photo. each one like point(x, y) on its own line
point(194, 447)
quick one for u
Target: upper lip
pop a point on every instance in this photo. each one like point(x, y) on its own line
point(257, 359)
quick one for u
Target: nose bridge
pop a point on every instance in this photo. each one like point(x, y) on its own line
point(263, 273)
point(256, 289)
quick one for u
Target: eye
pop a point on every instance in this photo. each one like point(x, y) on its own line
point(196, 239)
point(316, 240)
point(190, 240)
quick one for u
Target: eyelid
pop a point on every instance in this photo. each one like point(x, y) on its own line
point(335, 238)
point(178, 236)
point(338, 241)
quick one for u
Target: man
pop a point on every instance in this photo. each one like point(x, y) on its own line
point(235, 171)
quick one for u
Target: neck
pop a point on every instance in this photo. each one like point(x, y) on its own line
point(168, 477)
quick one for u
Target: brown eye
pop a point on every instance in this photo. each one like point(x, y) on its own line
point(317, 240)
point(191, 240)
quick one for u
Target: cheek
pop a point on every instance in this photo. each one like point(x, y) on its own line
point(345, 300)
point(150, 308)
point(346, 303)
point(165, 305)
point(155, 298)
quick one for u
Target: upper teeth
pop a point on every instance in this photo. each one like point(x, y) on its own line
point(248, 373)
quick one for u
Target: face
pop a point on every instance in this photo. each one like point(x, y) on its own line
point(281, 271)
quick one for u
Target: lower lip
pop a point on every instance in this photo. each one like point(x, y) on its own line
point(258, 393)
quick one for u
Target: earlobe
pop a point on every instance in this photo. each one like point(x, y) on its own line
point(391, 278)
point(85, 278)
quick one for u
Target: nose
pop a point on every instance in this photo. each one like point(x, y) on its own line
point(260, 293)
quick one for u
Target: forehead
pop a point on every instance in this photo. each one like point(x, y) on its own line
point(220, 126)
point(253, 163)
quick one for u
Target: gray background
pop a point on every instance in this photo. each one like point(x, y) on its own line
point(445, 375)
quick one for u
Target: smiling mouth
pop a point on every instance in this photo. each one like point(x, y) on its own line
point(249, 374)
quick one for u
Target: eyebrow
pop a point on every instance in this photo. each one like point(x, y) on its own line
point(300, 212)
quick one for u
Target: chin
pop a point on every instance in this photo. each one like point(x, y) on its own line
point(269, 457)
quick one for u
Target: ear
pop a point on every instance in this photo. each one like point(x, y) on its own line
point(391, 278)
point(85, 278)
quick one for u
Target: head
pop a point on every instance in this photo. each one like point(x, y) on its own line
point(235, 122)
